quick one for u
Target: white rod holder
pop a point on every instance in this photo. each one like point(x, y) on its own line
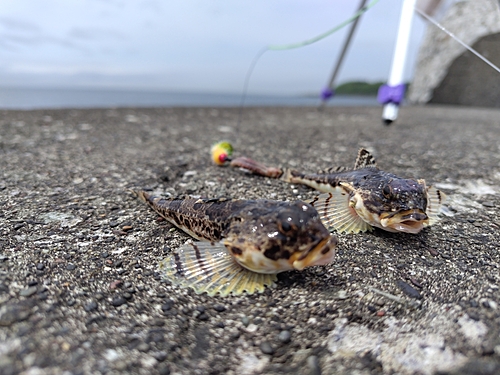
point(392, 94)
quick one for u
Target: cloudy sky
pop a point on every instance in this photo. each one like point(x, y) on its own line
point(193, 45)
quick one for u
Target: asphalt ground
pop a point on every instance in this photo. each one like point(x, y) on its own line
point(80, 287)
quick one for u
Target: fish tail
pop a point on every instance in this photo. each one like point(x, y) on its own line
point(288, 175)
point(295, 177)
point(140, 194)
point(207, 267)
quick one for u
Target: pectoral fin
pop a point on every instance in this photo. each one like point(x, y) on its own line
point(435, 199)
point(335, 212)
point(208, 268)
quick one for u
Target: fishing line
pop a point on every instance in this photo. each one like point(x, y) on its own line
point(430, 19)
point(285, 47)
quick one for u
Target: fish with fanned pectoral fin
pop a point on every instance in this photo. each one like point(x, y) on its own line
point(242, 244)
point(364, 197)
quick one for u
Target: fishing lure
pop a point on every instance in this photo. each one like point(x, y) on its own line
point(364, 197)
point(221, 152)
point(247, 242)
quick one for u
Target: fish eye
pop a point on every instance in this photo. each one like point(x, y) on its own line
point(386, 190)
point(285, 226)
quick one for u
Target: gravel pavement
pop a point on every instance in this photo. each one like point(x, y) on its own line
point(80, 288)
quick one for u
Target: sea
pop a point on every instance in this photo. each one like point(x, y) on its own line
point(59, 98)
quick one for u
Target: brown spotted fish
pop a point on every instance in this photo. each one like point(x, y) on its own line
point(362, 198)
point(247, 242)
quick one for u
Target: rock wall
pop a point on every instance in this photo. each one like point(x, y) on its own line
point(446, 72)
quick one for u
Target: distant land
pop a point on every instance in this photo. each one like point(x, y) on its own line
point(361, 88)
point(358, 88)
point(355, 88)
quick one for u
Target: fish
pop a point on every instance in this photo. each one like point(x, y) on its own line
point(359, 199)
point(241, 244)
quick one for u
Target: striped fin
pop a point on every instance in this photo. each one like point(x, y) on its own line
point(435, 199)
point(334, 211)
point(364, 160)
point(207, 267)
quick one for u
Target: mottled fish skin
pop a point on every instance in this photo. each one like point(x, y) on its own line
point(379, 198)
point(262, 235)
point(204, 220)
point(381, 192)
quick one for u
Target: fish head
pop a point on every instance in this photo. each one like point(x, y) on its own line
point(278, 236)
point(393, 204)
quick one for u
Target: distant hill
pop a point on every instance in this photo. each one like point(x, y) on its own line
point(358, 88)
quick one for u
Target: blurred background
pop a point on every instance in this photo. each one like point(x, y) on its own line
point(60, 53)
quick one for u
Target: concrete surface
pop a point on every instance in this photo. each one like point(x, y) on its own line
point(469, 81)
point(443, 62)
point(80, 291)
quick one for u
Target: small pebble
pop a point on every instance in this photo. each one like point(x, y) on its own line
point(266, 348)
point(219, 308)
point(416, 282)
point(490, 204)
point(284, 337)
point(166, 306)
point(203, 316)
point(313, 364)
point(40, 266)
point(433, 252)
point(160, 356)
point(115, 284)
point(342, 294)
point(158, 322)
point(252, 328)
point(118, 301)
point(28, 291)
point(127, 295)
point(13, 313)
point(120, 365)
point(408, 289)
point(18, 226)
point(70, 267)
point(91, 306)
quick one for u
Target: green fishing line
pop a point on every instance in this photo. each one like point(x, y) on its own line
point(285, 47)
point(323, 35)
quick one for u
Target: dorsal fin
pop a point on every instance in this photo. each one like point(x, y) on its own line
point(333, 170)
point(365, 159)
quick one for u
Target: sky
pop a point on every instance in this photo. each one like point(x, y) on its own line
point(194, 45)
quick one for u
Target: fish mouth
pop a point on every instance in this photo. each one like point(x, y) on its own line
point(320, 254)
point(409, 221)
